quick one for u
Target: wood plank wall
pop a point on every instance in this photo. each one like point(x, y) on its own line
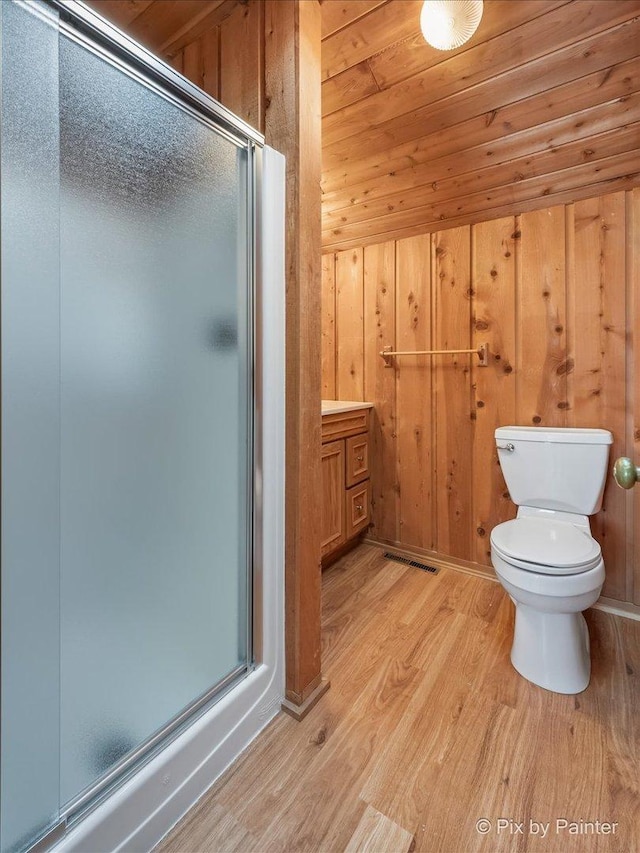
point(540, 107)
point(217, 44)
point(227, 61)
point(556, 294)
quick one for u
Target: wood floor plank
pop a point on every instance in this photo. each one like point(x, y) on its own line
point(471, 775)
point(376, 832)
point(427, 729)
point(315, 808)
point(375, 596)
point(210, 826)
point(350, 574)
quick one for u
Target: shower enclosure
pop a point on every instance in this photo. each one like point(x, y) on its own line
point(128, 393)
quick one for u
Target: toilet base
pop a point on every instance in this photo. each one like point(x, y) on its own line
point(551, 649)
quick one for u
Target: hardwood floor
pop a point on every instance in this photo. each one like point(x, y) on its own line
point(427, 729)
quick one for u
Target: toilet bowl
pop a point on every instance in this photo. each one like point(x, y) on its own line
point(551, 641)
point(546, 558)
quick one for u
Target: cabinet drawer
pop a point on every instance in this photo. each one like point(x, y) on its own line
point(357, 509)
point(344, 424)
point(357, 459)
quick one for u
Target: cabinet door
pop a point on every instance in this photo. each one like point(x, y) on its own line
point(357, 459)
point(333, 511)
point(358, 516)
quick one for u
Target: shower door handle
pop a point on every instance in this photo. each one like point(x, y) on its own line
point(625, 473)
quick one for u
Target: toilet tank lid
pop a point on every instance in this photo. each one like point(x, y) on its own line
point(557, 435)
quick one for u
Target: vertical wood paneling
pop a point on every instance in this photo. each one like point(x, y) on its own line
point(200, 59)
point(541, 310)
point(633, 286)
point(328, 327)
point(241, 58)
point(211, 63)
point(379, 384)
point(350, 325)
point(192, 66)
point(413, 392)
point(598, 381)
point(556, 294)
point(493, 281)
point(201, 64)
point(451, 300)
point(177, 61)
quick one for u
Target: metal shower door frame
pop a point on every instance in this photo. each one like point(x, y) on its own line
point(81, 24)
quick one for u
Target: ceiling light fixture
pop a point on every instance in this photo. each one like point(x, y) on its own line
point(446, 24)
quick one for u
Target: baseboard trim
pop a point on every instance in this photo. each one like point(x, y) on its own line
point(341, 551)
point(609, 605)
point(618, 608)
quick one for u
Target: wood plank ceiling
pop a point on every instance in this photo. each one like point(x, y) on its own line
point(541, 106)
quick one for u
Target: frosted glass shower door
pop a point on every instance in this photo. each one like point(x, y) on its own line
point(30, 366)
point(127, 412)
point(155, 412)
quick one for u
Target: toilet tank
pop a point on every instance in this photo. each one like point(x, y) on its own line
point(553, 467)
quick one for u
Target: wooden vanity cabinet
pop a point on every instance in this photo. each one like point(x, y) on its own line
point(345, 479)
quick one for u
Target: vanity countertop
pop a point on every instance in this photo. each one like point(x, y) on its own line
point(336, 407)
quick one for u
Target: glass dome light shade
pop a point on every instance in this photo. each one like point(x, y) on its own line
point(447, 24)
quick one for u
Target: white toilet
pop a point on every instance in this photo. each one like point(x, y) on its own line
point(546, 558)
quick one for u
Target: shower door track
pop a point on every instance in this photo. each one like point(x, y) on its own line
point(120, 772)
point(80, 23)
point(90, 799)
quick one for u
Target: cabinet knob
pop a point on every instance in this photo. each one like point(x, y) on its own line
point(360, 458)
point(359, 507)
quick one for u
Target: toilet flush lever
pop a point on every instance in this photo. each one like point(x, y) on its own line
point(510, 447)
point(625, 473)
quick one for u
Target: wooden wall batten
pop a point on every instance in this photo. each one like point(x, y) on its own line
point(350, 324)
point(328, 327)
point(451, 300)
point(414, 386)
point(494, 271)
point(597, 382)
point(379, 381)
point(541, 395)
point(556, 294)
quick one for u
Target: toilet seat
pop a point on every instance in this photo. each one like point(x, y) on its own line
point(546, 546)
point(544, 584)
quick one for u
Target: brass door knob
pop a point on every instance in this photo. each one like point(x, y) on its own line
point(625, 473)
